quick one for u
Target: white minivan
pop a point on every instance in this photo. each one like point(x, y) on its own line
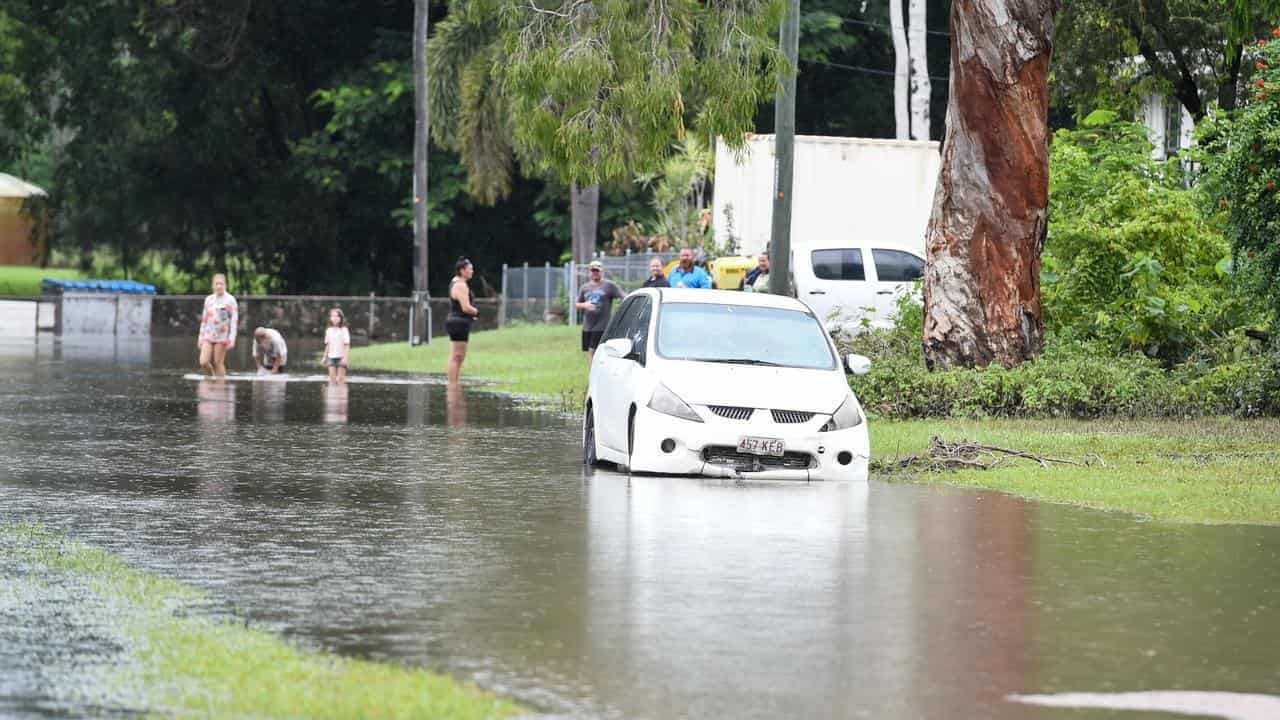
point(725, 384)
point(851, 285)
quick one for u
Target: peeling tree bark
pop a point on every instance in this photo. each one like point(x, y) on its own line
point(982, 275)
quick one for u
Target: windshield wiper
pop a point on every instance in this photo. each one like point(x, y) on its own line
point(743, 361)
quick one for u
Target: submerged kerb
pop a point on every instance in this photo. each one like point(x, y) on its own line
point(179, 662)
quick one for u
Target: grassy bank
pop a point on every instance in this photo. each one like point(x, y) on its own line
point(543, 362)
point(179, 664)
point(24, 280)
point(1204, 470)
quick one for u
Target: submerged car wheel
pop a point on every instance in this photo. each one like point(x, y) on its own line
point(589, 439)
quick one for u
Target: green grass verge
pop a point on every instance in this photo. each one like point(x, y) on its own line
point(1203, 470)
point(191, 665)
point(542, 362)
point(24, 280)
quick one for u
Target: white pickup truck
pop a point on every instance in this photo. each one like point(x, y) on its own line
point(858, 219)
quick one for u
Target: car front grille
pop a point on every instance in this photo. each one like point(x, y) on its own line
point(791, 416)
point(729, 455)
point(733, 413)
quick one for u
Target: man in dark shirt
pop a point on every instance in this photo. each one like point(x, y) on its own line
point(656, 277)
point(595, 299)
point(761, 268)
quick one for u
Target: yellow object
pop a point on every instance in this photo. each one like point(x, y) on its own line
point(727, 272)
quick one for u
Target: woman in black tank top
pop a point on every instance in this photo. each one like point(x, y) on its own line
point(462, 311)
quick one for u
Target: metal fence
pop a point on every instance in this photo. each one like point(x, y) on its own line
point(545, 293)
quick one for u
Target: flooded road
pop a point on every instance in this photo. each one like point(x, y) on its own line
point(458, 531)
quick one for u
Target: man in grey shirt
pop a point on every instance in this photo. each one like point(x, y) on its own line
point(595, 300)
point(269, 351)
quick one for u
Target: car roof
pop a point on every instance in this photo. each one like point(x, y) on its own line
point(725, 297)
point(878, 245)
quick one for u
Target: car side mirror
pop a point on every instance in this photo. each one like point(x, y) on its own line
point(617, 347)
point(855, 364)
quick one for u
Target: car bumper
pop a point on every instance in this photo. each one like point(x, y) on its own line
point(689, 440)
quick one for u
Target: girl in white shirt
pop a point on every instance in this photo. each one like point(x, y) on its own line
point(218, 325)
point(337, 345)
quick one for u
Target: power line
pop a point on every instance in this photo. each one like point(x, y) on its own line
point(886, 27)
point(867, 70)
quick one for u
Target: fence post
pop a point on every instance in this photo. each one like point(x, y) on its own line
point(524, 294)
point(502, 299)
point(573, 292)
point(626, 266)
point(371, 311)
point(546, 289)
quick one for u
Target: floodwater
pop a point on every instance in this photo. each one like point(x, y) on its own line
point(458, 531)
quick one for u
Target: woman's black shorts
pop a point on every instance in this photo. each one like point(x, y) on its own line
point(459, 330)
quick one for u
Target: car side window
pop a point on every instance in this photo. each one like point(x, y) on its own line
point(618, 323)
point(838, 264)
point(639, 332)
point(897, 266)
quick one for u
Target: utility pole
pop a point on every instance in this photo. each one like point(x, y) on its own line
point(421, 138)
point(784, 139)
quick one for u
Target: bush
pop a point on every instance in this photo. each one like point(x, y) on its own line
point(1074, 378)
point(1130, 258)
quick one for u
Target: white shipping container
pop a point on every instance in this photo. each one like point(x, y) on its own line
point(855, 190)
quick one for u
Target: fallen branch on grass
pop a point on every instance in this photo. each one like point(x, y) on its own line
point(942, 456)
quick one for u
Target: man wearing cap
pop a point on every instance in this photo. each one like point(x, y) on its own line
point(269, 351)
point(595, 300)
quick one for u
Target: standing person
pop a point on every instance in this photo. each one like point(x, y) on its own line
point(754, 274)
point(656, 278)
point(688, 275)
point(218, 324)
point(595, 299)
point(462, 310)
point(337, 346)
point(269, 351)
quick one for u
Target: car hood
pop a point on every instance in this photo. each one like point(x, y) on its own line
point(702, 383)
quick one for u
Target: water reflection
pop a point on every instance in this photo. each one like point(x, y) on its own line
point(463, 534)
point(268, 400)
point(215, 400)
point(336, 396)
point(455, 406)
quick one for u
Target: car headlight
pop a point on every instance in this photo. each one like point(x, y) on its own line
point(846, 416)
point(667, 403)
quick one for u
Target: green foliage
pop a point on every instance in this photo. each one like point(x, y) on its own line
point(601, 89)
point(1071, 379)
point(1241, 158)
point(680, 200)
point(1130, 259)
point(1112, 52)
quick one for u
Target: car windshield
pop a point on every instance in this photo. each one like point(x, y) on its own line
point(742, 334)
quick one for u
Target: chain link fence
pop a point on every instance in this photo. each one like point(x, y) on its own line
point(545, 293)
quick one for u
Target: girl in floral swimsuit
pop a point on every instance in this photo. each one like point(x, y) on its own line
point(218, 326)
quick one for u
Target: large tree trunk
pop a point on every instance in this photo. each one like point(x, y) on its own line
point(982, 276)
point(584, 211)
point(901, 118)
point(921, 88)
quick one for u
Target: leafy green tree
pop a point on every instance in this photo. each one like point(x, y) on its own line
point(1190, 48)
point(1241, 160)
point(1130, 259)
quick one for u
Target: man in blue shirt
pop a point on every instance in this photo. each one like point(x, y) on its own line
point(688, 275)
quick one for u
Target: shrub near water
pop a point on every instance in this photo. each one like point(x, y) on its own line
point(1074, 378)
